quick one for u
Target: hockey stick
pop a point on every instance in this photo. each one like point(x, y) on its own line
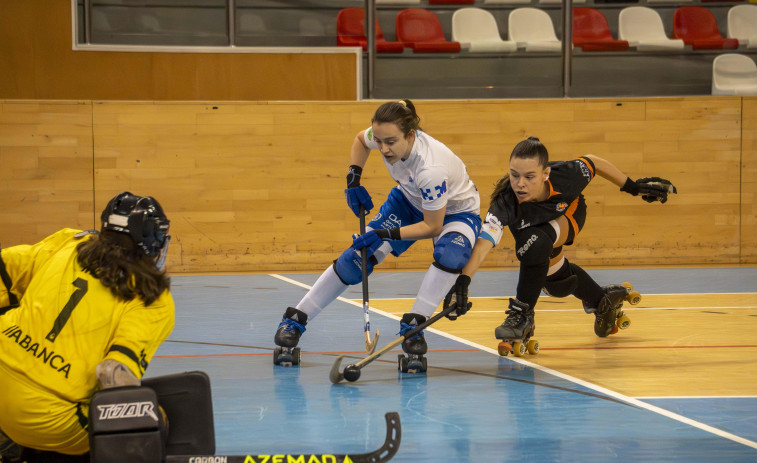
point(370, 346)
point(352, 372)
point(382, 454)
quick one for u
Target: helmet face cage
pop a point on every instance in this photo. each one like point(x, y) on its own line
point(142, 218)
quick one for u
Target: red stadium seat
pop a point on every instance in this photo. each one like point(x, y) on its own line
point(592, 33)
point(421, 30)
point(698, 27)
point(350, 32)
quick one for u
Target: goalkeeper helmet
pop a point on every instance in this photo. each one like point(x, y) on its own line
point(140, 217)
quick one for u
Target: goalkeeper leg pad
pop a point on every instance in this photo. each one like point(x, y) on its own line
point(187, 400)
point(126, 426)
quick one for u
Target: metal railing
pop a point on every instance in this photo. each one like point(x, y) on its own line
point(231, 16)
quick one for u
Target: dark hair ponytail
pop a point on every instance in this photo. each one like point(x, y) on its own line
point(112, 258)
point(529, 148)
point(402, 113)
point(500, 186)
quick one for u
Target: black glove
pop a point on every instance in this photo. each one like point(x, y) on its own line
point(353, 176)
point(651, 189)
point(458, 297)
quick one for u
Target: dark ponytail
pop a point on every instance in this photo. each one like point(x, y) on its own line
point(112, 258)
point(529, 148)
point(402, 113)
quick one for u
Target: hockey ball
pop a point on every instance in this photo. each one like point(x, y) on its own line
point(351, 373)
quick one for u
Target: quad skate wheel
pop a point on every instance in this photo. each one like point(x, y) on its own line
point(504, 348)
point(402, 363)
point(627, 285)
point(533, 347)
point(633, 297)
point(296, 356)
point(416, 364)
point(286, 357)
point(624, 322)
point(519, 349)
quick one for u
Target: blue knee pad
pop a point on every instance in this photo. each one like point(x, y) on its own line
point(452, 251)
point(348, 267)
point(533, 246)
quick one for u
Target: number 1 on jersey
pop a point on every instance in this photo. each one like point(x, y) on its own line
point(65, 314)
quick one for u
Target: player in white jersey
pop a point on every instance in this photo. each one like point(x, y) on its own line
point(434, 199)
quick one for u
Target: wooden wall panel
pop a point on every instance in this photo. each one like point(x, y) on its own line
point(250, 186)
point(45, 169)
point(37, 62)
point(259, 186)
point(695, 142)
point(749, 182)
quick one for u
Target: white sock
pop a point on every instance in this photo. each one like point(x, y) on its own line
point(436, 284)
point(325, 290)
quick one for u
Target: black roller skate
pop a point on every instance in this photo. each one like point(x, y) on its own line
point(609, 316)
point(516, 331)
point(414, 347)
point(287, 336)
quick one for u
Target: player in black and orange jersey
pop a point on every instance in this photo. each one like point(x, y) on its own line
point(81, 311)
point(543, 205)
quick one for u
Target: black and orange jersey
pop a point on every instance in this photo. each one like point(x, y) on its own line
point(567, 179)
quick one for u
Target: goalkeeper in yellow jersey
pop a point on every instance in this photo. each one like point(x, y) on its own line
point(81, 311)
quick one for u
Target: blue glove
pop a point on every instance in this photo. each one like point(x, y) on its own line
point(373, 239)
point(356, 197)
point(370, 240)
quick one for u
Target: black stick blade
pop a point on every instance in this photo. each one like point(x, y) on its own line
point(383, 454)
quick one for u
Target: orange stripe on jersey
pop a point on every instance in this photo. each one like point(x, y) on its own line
point(589, 165)
point(569, 215)
point(552, 190)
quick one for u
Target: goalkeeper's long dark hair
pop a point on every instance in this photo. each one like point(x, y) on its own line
point(112, 258)
point(531, 147)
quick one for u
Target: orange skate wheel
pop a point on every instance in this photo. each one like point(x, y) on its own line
point(624, 322)
point(533, 347)
point(627, 285)
point(504, 348)
point(519, 349)
point(633, 297)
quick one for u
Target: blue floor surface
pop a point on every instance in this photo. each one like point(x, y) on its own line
point(471, 406)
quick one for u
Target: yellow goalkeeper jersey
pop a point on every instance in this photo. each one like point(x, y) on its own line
point(68, 322)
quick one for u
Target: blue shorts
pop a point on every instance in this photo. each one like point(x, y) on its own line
point(397, 212)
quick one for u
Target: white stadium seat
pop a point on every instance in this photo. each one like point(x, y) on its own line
point(734, 74)
point(533, 30)
point(477, 31)
point(742, 24)
point(642, 28)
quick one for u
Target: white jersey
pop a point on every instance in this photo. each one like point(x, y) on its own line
point(432, 176)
